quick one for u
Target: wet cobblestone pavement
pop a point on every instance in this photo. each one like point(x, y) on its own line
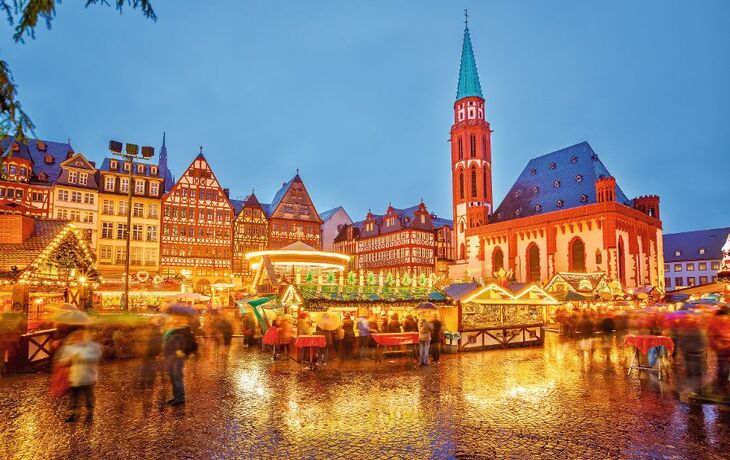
point(523, 403)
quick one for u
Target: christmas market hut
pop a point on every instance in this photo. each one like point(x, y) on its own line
point(493, 316)
point(43, 262)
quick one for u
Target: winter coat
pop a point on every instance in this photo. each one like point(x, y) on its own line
point(424, 331)
point(83, 359)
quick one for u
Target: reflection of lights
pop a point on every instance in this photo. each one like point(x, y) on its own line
point(82, 279)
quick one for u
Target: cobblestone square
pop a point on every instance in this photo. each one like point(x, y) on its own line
point(519, 403)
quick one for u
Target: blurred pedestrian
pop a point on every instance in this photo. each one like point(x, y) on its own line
point(363, 329)
point(81, 354)
point(304, 324)
point(424, 340)
point(177, 343)
point(383, 323)
point(152, 350)
point(693, 346)
point(348, 337)
point(718, 332)
point(585, 329)
point(338, 336)
point(223, 330)
point(410, 324)
point(285, 334)
point(436, 338)
point(248, 325)
point(394, 323)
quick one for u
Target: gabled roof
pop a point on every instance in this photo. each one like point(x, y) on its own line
point(468, 76)
point(327, 215)
point(584, 283)
point(689, 244)
point(38, 149)
point(23, 254)
point(282, 191)
point(249, 202)
point(567, 175)
point(407, 218)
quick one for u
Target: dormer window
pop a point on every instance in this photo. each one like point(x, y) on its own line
point(48, 159)
point(556, 184)
point(701, 251)
point(41, 146)
point(499, 215)
point(153, 170)
point(533, 171)
point(573, 160)
point(127, 166)
point(677, 253)
point(113, 164)
point(538, 207)
point(517, 194)
point(579, 178)
point(536, 190)
point(584, 198)
point(559, 203)
point(140, 169)
point(23, 171)
point(552, 165)
point(518, 212)
point(42, 176)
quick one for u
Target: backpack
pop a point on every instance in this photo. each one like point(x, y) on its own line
point(190, 344)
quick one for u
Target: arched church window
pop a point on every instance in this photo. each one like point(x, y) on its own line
point(484, 183)
point(533, 263)
point(497, 259)
point(473, 182)
point(577, 255)
point(473, 145)
point(461, 185)
point(599, 257)
point(484, 140)
point(461, 148)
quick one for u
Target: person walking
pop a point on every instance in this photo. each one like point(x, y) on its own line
point(151, 352)
point(348, 338)
point(248, 325)
point(424, 340)
point(177, 342)
point(692, 344)
point(81, 354)
point(363, 329)
point(436, 338)
point(718, 332)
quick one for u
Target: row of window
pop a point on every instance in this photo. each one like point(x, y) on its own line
point(121, 184)
point(207, 251)
point(75, 215)
point(11, 193)
point(76, 197)
point(207, 194)
point(184, 212)
point(295, 227)
point(690, 266)
point(137, 256)
point(691, 281)
point(12, 169)
point(202, 232)
point(140, 167)
point(75, 177)
point(474, 184)
point(700, 251)
point(122, 206)
point(138, 231)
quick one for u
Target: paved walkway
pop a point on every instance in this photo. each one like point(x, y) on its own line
point(523, 403)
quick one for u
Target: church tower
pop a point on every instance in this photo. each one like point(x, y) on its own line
point(471, 152)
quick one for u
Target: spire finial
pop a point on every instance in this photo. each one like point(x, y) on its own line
point(297, 171)
point(163, 138)
point(466, 17)
point(201, 149)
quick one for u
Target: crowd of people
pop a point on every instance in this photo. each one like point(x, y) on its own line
point(697, 334)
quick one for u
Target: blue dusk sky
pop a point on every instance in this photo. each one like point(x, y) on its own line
point(359, 95)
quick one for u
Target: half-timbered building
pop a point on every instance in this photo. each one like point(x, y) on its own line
point(197, 220)
point(293, 217)
point(400, 241)
point(250, 233)
point(29, 169)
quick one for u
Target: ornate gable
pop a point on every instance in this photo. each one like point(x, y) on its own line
point(293, 202)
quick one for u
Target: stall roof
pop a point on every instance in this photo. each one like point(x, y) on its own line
point(493, 293)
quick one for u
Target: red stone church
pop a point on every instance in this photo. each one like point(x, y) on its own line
point(565, 212)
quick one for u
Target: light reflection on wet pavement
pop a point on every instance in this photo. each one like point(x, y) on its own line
point(520, 403)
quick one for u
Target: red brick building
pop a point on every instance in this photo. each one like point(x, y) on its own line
point(197, 219)
point(406, 240)
point(565, 212)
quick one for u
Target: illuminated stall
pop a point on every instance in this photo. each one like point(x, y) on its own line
point(493, 316)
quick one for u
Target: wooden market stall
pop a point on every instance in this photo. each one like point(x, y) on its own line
point(493, 316)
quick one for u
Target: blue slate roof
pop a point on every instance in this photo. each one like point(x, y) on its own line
point(327, 215)
point(562, 179)
point(237, 206)
point(106, 167)
point(280, 194)
point(689, 244)
point(407, 217)
point(57, 151)
point(468, 76)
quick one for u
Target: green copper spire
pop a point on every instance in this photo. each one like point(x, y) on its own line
point(468, 75)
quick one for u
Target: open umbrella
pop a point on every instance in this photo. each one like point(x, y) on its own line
point(181, 309)
point(62, 306)
point(328, 321)
point(426, 306)
point(71, 317)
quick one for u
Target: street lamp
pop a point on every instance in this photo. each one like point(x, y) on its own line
point(130, 153)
